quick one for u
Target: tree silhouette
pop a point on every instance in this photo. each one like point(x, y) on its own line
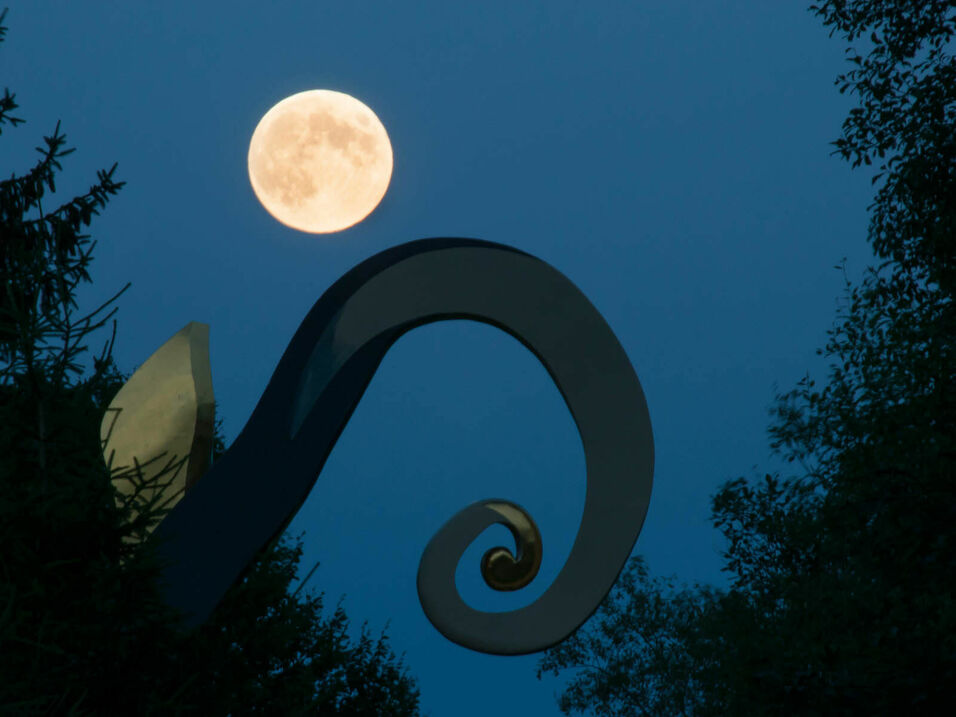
point(842, 574)
point(82, 627)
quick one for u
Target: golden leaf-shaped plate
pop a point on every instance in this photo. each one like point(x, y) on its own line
point(157, 432)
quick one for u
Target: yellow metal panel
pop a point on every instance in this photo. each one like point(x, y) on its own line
point(157, 432)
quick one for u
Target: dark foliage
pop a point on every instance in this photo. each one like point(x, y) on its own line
point(843, 575)
point(905, 121)
point(636, 658)
point(82, 629)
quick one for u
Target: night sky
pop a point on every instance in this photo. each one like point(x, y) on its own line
point(672, 159)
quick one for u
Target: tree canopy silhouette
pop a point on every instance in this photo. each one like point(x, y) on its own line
point(843, 574)
point(82, 627)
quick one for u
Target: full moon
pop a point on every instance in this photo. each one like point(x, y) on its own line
point(320, 161)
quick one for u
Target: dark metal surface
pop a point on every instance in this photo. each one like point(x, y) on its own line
point(255, 489)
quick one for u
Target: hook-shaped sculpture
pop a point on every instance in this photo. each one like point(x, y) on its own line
point(257, 486)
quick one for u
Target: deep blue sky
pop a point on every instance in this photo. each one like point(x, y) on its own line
point(671, 158)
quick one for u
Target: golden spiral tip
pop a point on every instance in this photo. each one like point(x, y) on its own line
point(499, 567)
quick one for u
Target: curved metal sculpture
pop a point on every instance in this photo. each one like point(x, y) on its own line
point(257, 486)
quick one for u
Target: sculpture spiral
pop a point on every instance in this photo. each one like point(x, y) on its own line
point(255, 489)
